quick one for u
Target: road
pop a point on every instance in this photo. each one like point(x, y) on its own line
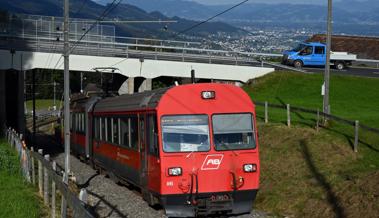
point(351, 71)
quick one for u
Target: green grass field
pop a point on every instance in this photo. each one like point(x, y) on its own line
point(317, 174)
point(42, 104)
point(305, 173)
point(354, 98)
point(17, 198)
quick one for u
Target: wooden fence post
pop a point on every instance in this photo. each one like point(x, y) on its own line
point(266, 112)
point(53, 192)
point(46, 182)
point(288, 115)
point(33, 166)
point(318, 120)
point(356, 138)
point(40, 180)
point(64, 202)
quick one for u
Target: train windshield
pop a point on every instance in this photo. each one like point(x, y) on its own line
point(233, 132)
point(185, 133)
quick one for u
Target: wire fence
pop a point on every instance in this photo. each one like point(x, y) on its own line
point(320, 116)
point(39, 170)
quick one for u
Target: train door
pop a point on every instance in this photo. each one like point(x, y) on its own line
point(143, 151)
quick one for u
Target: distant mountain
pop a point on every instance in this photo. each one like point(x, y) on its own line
point(180, 8)
point(92, 10)
point(347, 11)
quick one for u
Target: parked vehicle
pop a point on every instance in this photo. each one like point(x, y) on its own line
point(314, 54)
point(192, 148)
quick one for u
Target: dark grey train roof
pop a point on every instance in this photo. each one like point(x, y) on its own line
point(130, 102)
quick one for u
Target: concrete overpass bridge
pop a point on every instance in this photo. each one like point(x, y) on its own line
point(37, 45)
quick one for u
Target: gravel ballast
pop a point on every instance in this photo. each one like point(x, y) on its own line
point(110, 199)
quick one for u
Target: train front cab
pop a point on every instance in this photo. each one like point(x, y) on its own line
point(209, 161)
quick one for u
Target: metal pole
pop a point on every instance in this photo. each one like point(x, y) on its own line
point(81, 82)
point(327, 64)
point(54, 95)
point(66, 99)
point(34, 106)
point(193, 76)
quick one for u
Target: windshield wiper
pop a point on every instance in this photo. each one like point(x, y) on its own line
point(228, 147)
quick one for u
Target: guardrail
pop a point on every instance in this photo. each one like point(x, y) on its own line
point(318, 114)
point(127, 47)
point(38, 169)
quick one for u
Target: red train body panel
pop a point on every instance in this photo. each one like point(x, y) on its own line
point(191, 148)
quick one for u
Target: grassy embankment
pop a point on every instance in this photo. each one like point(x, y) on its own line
point(316, 174)
point(17, 198)
point(42, 104)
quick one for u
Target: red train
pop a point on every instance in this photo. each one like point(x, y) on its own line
point(191, 148)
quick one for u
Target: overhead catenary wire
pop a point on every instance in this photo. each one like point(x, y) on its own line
point(49, 58)
point(211, 18)
point(197, 24)
point(105, 13)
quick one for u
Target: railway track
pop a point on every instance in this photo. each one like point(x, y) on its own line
point(109, 199)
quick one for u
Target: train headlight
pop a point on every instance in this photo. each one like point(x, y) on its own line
point(249, 168)
point(175, 171)
point(208, 94)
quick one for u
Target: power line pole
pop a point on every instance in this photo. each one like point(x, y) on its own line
point(55, 84)
point(327, 64)
point(66, 100)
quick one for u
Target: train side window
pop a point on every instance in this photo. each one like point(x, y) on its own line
point(80, 122)
point(134, 132)
point(101, 130)
point(129, 131)
point(76, 122)
point(96, 127)
point(124, 132)
point(109, 129)
point(105, 129)
point(119, 130)
point(152, 135)
point(142, 130)
point(84, 122)
point(115, 130)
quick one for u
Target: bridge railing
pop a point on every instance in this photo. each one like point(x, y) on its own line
point(103, 45)
point(132, 46)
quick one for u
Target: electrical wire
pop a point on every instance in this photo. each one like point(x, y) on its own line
point(211, 18)
point(49, 58)
point(105, 13)
point(100, 18)
point(196, 25)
